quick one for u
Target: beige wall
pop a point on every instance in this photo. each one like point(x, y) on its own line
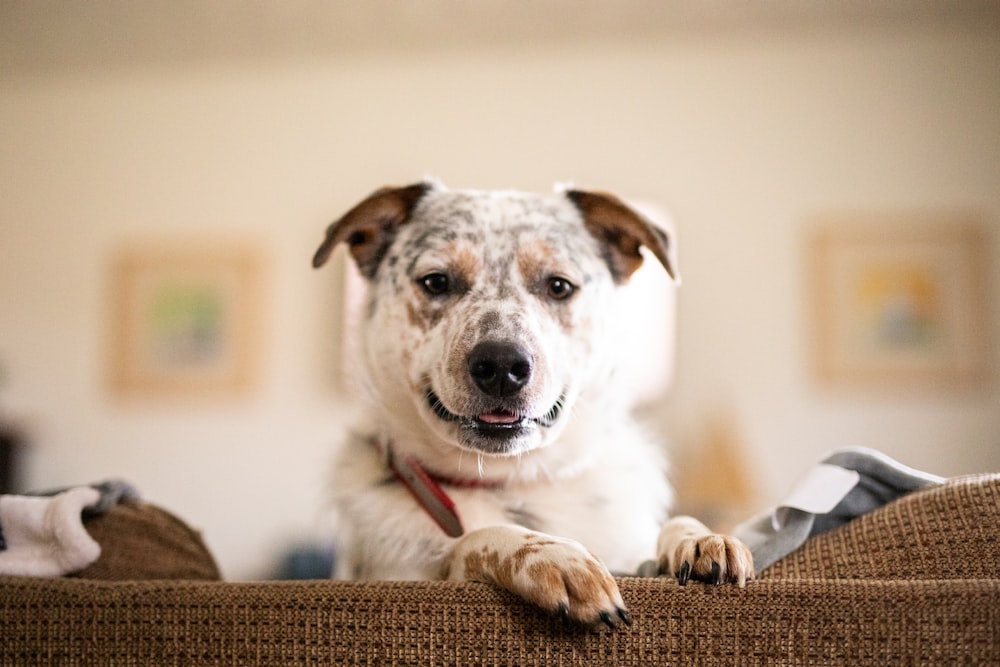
point(742, 134)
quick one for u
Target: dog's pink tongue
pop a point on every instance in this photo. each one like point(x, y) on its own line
point(499, 417)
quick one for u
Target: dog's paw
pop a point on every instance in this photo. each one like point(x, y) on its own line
point(557, 574)
point(688, 550)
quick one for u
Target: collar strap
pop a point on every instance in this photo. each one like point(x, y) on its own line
point(426, 490)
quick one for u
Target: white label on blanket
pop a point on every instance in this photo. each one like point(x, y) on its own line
point(821, 489)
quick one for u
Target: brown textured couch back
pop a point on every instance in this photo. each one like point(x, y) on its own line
point(914, 583)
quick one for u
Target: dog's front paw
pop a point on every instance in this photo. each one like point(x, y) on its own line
point(688, 550)
point(556, 574)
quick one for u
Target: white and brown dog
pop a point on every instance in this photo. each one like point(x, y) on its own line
point(500, 447)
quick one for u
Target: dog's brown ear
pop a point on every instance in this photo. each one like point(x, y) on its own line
point(369, 227)
point(623, 231)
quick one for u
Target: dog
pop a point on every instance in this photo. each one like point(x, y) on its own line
point(498, 445)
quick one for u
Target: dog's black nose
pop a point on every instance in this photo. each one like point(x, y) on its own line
point(500, 369)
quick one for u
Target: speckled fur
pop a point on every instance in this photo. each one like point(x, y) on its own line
point(589, 477)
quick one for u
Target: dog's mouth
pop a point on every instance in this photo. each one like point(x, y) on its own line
point(500, 422)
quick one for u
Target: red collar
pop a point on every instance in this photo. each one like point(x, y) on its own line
point(425, 487)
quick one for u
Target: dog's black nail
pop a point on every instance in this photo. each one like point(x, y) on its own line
point(563, 612)
point(623, 614)
point(607, 620)
point(684, 574)
point(716, 574)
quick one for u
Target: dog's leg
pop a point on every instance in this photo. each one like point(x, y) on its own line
point(556, 574)
point(689, 550)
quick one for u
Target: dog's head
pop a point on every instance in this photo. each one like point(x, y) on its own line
point(489, 312)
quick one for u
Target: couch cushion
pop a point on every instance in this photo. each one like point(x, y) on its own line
point(142, 541)
point(946, 531)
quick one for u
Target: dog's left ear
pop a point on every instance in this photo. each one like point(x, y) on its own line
point(623, 231)
point(369, 227)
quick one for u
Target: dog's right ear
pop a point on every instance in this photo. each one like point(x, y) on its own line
point(369, 227)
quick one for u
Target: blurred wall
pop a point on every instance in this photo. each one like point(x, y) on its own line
point(743, 133)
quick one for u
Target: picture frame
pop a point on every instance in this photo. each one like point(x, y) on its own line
point(900, 302)
point(185, 321)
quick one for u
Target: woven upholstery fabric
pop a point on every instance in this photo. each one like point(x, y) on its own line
point(947, 531)
point(142, 541)
point(895, 587)
point(810, 622)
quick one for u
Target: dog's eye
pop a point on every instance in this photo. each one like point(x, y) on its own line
point(560, 288)
point(435, 284)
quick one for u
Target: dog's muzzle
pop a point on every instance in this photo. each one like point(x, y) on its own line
point(500, 370)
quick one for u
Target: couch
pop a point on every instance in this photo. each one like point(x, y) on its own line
point(916, 582)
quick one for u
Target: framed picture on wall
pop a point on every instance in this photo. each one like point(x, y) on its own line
point(900, 302)
point(186, 321)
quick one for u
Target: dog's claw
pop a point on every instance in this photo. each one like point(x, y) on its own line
point(626, 619)
point(607, 620)
point(716, 577)
point(684, 574)
point(563, 612)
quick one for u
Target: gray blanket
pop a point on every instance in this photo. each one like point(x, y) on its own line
point(846, 484)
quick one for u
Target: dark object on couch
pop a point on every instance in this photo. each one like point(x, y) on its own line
point(915, 582)
point(11, 451)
